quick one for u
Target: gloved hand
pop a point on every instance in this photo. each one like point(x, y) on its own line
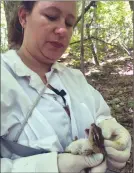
point(100, 168)
point(117, 143)
point(69, 163)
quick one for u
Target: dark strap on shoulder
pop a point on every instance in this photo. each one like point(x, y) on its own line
point(19, 149)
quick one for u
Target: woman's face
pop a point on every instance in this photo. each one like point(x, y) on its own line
point(48, 29)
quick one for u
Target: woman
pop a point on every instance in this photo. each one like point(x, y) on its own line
point(46, 105)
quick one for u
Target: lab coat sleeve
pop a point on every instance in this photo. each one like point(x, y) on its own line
point(37, 163)
point(102, 110)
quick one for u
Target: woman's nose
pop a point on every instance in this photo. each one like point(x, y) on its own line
point(61, 29)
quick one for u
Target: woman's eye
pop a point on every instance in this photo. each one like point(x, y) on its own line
point(52, 18)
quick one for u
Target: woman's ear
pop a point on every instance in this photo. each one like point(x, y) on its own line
point(22, 15)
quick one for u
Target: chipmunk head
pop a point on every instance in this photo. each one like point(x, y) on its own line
point(96, 139)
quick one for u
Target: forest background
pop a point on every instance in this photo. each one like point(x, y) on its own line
point(102, 48)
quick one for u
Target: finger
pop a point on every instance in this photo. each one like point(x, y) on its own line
point(119, 143)
point(114, 164)
point(119, 156)
point(107, 133)
point(100, 168)
point(93, 160)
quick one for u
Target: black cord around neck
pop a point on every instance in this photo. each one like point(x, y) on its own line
point(61, 93)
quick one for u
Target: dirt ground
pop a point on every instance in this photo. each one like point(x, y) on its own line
point(114, 80)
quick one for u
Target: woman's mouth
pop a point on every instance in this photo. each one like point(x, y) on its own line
point(56, 44)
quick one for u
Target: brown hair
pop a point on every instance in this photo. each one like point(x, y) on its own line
point(15, 34)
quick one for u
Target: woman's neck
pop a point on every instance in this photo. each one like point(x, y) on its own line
point(32, 63)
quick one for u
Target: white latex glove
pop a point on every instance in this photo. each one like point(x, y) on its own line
point(69, 163)
point(81, 148)
point(117, 143)
point(98, 169)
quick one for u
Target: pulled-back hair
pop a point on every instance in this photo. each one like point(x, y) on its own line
point(15, 34)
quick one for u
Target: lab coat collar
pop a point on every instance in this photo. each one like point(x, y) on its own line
point(15, 63)
point(20, 68)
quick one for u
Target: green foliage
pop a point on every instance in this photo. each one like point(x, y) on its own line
point(3, 48)
point(115, 21)
point(3, 27)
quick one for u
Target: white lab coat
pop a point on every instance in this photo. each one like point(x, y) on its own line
point(41, 131)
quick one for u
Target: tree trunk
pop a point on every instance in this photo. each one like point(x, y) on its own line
point(93, 48)
point(92, 3)
point(82, 35)
point(131, 3)
point(10, 8)
point(94, 53)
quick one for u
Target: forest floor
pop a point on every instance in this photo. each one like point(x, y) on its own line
point(114, 80)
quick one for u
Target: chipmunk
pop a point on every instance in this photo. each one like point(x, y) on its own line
point(93, 144)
